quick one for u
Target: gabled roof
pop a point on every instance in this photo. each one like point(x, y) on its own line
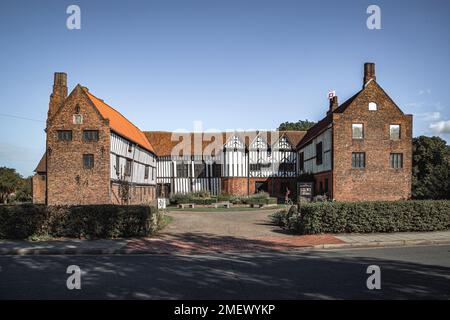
point(119, 124)
point(163, 144)
point(42, 165)
point(325, 122)
point(294, 137)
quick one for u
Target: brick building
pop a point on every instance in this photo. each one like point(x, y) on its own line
point(94, 155)
point(360, 150)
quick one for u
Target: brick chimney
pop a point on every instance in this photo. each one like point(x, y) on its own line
point(59, 93)
point(369, 73)
point(333, 104)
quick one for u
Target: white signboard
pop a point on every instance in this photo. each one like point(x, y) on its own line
point(161, 203)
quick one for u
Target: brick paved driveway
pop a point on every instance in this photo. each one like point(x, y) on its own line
point(226, 231)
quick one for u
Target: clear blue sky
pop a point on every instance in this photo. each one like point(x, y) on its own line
point(231, 64)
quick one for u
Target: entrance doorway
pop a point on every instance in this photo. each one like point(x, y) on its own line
point(261, 186)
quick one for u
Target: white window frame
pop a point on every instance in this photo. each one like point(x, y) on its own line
point(356, 125)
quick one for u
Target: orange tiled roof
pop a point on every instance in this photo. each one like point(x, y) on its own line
point(163, 144)
point(119, 123)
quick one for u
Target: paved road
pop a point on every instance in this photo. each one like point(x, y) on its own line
point(406, 273)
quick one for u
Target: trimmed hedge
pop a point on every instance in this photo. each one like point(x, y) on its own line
point(196, 198)
point(370, 216)
point(91, 222)
point(255, 200)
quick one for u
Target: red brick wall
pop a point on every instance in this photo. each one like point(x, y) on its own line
point(38, 186)
point(68, 181)
point(234, 186)
point(139, 194)
point(322, 178)
point(377, 181)
point(239, 186)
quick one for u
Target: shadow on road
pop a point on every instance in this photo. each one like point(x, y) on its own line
point(309, 275)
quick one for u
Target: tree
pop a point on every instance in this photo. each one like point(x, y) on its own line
point(431, 168)
point(24, 193)
point(300, 125)
point(10, 182)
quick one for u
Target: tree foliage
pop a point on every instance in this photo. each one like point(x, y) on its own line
point(300, 125)
point(431, 168)
point(10, 182)
point(14, 188)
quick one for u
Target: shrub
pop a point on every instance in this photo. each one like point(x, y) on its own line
point(202, 194)
point(279, 217)
point(21, 221)
point(370, 216)
point(224, 197)
point(259, 200)
point(93, 221)
point(180, 198)
point(203, 201)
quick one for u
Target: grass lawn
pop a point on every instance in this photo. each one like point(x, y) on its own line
point(232, 209)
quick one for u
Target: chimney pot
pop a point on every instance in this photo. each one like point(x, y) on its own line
point(60, 79)
point(333, 104)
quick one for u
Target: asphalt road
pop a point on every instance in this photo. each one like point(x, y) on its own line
point(406, 273)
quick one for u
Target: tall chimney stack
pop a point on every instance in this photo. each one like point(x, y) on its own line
point(59, 93)
point(369, 72)
point(333, 104)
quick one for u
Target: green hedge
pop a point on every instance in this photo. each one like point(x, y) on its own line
point(197, 198)
point(366, 217)
point(255, 200)
point(93, 221)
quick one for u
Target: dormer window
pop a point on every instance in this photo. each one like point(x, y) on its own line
point(372, 106)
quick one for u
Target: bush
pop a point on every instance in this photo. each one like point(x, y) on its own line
point(279, 218)
point(94, 221)
point(180, 198)
point(202, 194)
point(224, 197)
point(370, 216)
point(203, 201)
point(258, 199)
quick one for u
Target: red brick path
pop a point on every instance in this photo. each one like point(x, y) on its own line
point(210, 244)
point(208, 232)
